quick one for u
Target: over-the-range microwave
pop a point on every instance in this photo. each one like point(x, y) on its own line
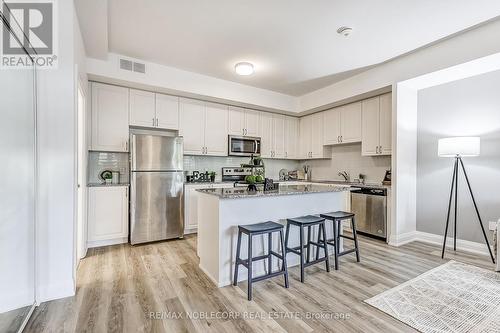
point(243, 146)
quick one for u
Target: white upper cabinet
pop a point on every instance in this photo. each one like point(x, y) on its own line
point(167, 111)
point(266, 135)
point(386, 124)
point(192, 125)
point(204, 127)
point(272, 135)
point(243, 122)
point(142, 108)
point(110, 118)
point(343, 124)
point(236, 121)
point(148, 109)
point(311, 137)
point(291, 137)
point(216, 129)
point(279, 136)
point(252, 118)
point(331, 128)
point(350, 123)
point(317, 148)
point(376, 129)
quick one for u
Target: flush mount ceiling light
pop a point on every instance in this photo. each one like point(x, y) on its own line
point(244, 68)
point(344, 31)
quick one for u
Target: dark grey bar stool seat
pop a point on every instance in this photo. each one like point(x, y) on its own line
point(260, 229)
point(337, 218)
point(308, 222)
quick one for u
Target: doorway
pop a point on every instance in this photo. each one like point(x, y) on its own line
point(81, 221)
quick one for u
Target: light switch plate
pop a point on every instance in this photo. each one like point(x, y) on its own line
point(492, 225)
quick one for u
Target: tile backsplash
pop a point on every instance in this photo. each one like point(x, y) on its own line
point(348, 158)
point(99, 161)
point(204, 163)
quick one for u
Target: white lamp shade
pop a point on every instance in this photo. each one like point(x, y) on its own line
point(459, 146)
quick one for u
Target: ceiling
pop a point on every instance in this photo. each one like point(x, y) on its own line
point(292, 43)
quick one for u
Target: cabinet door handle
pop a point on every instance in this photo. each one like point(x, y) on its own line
point(380, 149)
point(126, 145)
point(154, 122)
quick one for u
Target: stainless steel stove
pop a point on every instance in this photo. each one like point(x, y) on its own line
point(238, 174)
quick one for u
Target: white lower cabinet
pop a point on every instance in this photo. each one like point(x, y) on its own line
point(107, 215)
point(191, 204)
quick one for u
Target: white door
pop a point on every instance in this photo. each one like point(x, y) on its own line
point(305, 136)
point(142, 108)
point(279, 136)
point(192, 125)
point(216, 129)
point(331, 127)
point(108, 213)
point(370, 127)
point(317, 135)
point(350, 120)
point(81, 230)
point(252, 122)
point(266, 135)
point(291, 137)
point(167, 111)
point(236, 121)
point(109, 118)
point(385, 124)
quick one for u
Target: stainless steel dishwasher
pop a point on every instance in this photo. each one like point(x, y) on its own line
point(370, 207)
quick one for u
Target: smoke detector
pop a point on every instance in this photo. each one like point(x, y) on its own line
point(344, 31)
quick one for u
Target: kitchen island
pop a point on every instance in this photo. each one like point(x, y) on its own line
point(221, 210)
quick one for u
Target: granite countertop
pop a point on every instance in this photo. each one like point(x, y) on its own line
point(106, 185)
point(338, 182)
point(238, 192)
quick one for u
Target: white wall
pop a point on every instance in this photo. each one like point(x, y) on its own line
point(56, 146)
point(179, 82)
point(468, 107)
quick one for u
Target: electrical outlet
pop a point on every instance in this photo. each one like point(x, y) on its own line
point(493, 225)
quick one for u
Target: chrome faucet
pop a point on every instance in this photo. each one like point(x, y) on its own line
point(345, 175)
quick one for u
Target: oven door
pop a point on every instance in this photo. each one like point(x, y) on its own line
point(244, 146)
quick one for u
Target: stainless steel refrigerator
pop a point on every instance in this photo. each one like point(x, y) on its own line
point(156, 188)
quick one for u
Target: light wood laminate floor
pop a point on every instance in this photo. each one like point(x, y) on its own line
point(159, 288)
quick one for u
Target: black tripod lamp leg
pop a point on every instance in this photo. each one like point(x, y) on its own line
point(477, 211)
point(449, 207)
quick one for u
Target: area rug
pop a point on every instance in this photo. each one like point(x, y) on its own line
point(453, 297)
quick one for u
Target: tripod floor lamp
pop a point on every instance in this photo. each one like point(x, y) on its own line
point(458, 147)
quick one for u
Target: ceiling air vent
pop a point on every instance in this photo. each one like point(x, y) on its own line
point(139, 68)
point(126, 64)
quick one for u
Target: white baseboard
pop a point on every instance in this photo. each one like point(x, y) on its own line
point(398, 240)
point(107, 242)
point(425, 237)
point(463, 245)
point(56, 290)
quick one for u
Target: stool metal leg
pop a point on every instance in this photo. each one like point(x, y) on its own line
point(283, 251)
point(250, 267)
point(327, 260)
point(319, 242)
point(355, 236)
point(287, 234)
point(301, 254)
point(335, 248)
point(270, 247)
point(308, 259)
point(237, 262)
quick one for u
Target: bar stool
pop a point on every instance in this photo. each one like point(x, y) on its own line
point(302, 222)
point(337, 218)
point(260, 229)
